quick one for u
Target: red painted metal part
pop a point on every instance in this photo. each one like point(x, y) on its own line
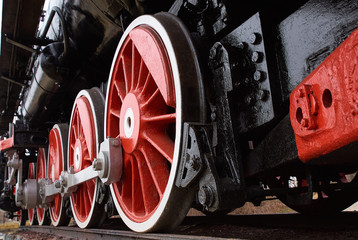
point(142, 114)
point(324, 107)
point(6, 144)
point(55, 167)
point(82, 151)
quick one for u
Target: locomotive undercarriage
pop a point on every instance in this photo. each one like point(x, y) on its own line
point(203, 108)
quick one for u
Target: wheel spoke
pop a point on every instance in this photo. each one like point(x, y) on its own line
point(148, 187)
point(77, 126)
point(136, 65)
point(89, 187)
point(127, 66)
point(116, 113)
point(121, 88)
point(81, 201)
point(157, 166)
point(143, 75)
point(161, 142)
point(127, 185)
point(85, 199)
point(154, 99)
point(137, 196)
point(161, 119)
point(148, 88)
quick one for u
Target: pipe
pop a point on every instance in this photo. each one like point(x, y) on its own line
point(17, 44)
point(63, 25)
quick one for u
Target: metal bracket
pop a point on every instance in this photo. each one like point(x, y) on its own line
point(192, 159)
point(110, 161)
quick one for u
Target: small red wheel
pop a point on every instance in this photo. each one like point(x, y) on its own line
point(154, 87)
point(42, 216)
point(85, 135)
point(31, 211)
point(57, 152)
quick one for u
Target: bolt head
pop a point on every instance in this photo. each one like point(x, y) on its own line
point(97, 164)
point(213, 116)
point(263, 94)
point(115, 143)
point(249, 100)
point(255, 38)
point(206, 196)
point(58, 184)
point(212, 53)
point(256, 57)
point(257, 75)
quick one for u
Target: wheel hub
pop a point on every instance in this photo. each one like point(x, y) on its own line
point(77, 156)
point(130, 123)
point(53, 173)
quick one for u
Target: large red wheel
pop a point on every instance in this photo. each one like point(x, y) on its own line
point(31, 211)
point(155, 86)
point(85, 135)
point(42, 215)
point(57, 152)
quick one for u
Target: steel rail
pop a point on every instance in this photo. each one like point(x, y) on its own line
point(107, 234)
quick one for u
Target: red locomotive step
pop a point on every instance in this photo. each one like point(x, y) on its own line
point(6, 144)
point(324, 106)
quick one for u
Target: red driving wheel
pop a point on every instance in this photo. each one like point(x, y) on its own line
point(42, 217)
point(57, 153)
point(144, 109)
point(85, 135)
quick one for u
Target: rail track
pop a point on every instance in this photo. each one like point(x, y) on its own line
point(272, 226)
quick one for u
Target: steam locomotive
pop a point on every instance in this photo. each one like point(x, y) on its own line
point(147, 108)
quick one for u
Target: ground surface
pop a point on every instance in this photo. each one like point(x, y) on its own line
point(248, 222)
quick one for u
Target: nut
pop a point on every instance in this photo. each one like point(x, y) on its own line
point(256, 57)
point(258, 75)
point(206, 196)
point(255, 38)
point(115, 143)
